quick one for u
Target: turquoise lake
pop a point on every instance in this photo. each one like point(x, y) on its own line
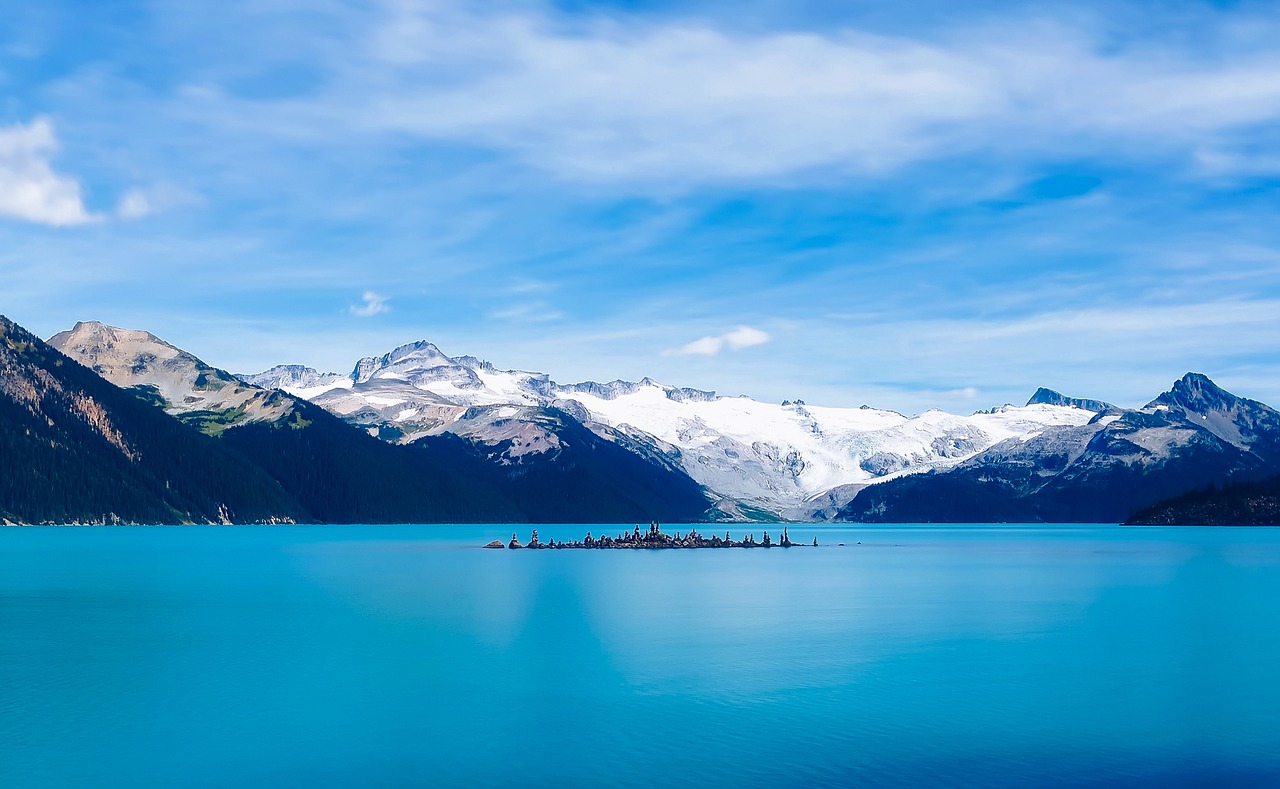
point(408, 656)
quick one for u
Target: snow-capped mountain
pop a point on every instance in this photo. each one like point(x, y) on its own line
point(1121, 461)
point(771, 455)
point(790, 459)
point(295, 379)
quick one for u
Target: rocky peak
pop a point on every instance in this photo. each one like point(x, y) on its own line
point(131, 358)
point(616, 389)
point(123, 355)
point(417, 350)
point(609, 391)
point(93, 336)
point(1197, 394)
point(1245, 423)
point(687, 395)
point(421, 355)
point(290, 376)
point(1045, 396)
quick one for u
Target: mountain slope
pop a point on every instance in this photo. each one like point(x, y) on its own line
point(74, 448)
point(1119, 463)
point(584, 478)
point(344, 475)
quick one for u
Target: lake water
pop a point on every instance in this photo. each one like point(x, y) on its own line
point(408, 656)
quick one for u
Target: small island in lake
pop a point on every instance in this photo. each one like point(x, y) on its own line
point(653, 538)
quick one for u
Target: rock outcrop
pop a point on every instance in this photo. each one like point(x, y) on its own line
point(654, 538)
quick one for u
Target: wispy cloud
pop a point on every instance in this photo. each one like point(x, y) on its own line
point(134, 204)
point(139, 202)
point(736, 340)
point(29, 188)
point(371, 304)
point(528, 312)
point(670, 102)
point(527, 286)
point(1125, 353)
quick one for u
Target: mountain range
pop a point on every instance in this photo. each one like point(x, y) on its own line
point(416, 435)
point(755, 459)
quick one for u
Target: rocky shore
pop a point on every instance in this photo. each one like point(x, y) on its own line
point(654, 538)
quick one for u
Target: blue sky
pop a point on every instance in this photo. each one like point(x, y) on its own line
point(937, 205)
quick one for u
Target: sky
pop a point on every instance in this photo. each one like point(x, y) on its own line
point(932, 204)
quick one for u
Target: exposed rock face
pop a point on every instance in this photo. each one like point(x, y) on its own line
point(293, 376)
point(615, 389)
point(180, 381)
point(1044, 396)
point(1241, 422)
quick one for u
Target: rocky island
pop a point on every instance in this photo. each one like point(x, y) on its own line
point(654, 538)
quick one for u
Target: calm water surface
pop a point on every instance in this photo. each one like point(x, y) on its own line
point(407, 656)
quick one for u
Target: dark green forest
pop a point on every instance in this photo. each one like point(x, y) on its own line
point(1231, 504)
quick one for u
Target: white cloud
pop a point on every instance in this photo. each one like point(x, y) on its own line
point(736, 340)
point(671, 103)
point(29, 187)
point(372, 304)
point(745, 337)
point(706, 346)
